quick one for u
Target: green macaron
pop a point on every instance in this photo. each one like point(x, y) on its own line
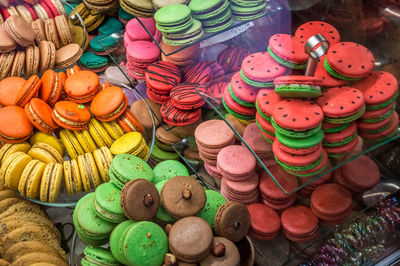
point(93, 61)
point(126, 167)
point(298, 91)
point(162, 214)
point(159, 155)
point(214, 201)
point(110, 25)
point(107, 203)
point(248, 12)
point(124, 15)
point(255, 83)
point(169, 169)
point(144, 243)
point(173, 18)
point(219, 23)
point(103, 42)
point(98, 256)
point(89, 226)
point(189, 36)
point(204, 10)
point(115, 239)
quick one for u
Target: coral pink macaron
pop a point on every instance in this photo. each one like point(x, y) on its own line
point(109, 104)
point(39, 113)
point(14, 125)
point(71, 115)
point(265, 222)
point(236, 163)
point(299, 224)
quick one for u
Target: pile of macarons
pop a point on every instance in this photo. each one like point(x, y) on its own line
point(121, 213)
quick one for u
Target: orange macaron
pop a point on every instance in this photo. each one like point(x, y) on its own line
point(29, 90)
point(52, 85)
point(39, 114)
point(71, 115)
point(109, 104)
point(72, 70)
point(130, 123)
point(9, 90)
point(82, 86)
point(14, 125)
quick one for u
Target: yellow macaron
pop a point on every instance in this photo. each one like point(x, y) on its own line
point(103, 158)
point(131, 142)
point(113, 129)
point(99, 133)
point(51, 182)
point(45, 153)
point(29, 184)
point(11, 170)
point(71, 144)
point(41, 137)
point(85, 140)
point(72, 177)
point(89, 173)
point(9, 149)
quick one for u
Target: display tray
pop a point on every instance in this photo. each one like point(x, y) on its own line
point(64, 200)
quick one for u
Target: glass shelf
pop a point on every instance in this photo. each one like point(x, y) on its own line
point(238, 27)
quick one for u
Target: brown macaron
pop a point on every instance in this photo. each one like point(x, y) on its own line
point(39, 29)
point(6, 62)
point(7, 44)
point(139, 200)
point(68, 55)
point(51, 32)
point(32, 56)
point(47, 56)
point(224, 252)
point(63, 30)
point(18, 65)
point(20, 30)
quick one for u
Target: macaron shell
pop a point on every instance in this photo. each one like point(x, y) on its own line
point(52, 84)
point(236, 107)
point(99, 134)
point(9, 90)
point(295, 159)
point(261, 67)
point(266, 100)
point(71, 144)
point(288, 47)
point(327, 79)
point(351, 59)
point(22, 129)
point(298, 115)
point(330, 200)
point(177, 117)
point(362, 172)
point(199, 73)
point(311, 28)
point(162, 75)
point(72, 111)
point(341, 101)
point(29, 90)
point(81, 84)
point(15, 169)
point(40, 115)
point(264, 219)
point(340, 135)
point(242, 90)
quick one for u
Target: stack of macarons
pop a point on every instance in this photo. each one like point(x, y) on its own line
point(265, 102)
point(134, 31)
point(239, 178)
point(180, 29)
point(231, 58)
point(140, 55)
point(297, 147)
point(215, 15)
point(265, 222)
point(300, 224)
point(179, 56)
point(131, 143)
point(209, 147)
point(248, 10)
point(311, 186)
point(380, 120)
point(273, 196)
point(254, 138)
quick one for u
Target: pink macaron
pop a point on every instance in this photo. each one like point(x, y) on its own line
point(135, 31)
point(253, 136)
point(236, 163)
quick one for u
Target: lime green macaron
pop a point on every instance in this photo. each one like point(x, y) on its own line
point(107, 203)
point(169, 169)
point(115, 238)
point(98, 256)
point(214, 201)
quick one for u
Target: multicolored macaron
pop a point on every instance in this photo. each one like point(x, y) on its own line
point(311, 28)
point(341, 140)
point(199, 73)
point(349, 61)
point(328, 80)
point(298, 86)
point(288, 51)
point(178, 117)
point(161, 76)
point(265, 102)
point(186, 96)
point(237, 110)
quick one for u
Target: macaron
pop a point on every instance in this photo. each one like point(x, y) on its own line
point(103, 158)
point(113, 129)
point(186, 96)
point(72, 177)
point(48, 139)
point(47, 51)
point(12, 168)
point(93, 62)
point(137, 62)
point(349, 61)
point(188, 36)
point(85, 140)
point(51, 182)
point(14, 115)
point(82, 86)
point(7, 43)
point(134, 31)
point(51, 32)
point(39, 114)
point(9, 90)
point(45, 153)
point(178, 117)
point(130, 143)
point(169, 169)
point(231, 58)
point(299, 224)
point(8, 149)
point(159, 155)
point(6, 61)
point(129, 123)
point(63, 30)
point(110, 25)
point(29, 90)
point(71, 115)
point(98, 255)
point(68, 55)
point(115, 237)
point(179, 56)
point(90, 227)
point(237, 110)
point(288, 51)
point(243, 191)
point(199, 73)
point(18, 65)
point(260, 70)
point(311, 28)
point(298, 86)
point(32, 59)
point(171, 24)
point(143, 9)
point(236, 163)
point(109, 104)
point(161, 76)
point(214, 201)
point(99, 134)
point(241, 92)
point(20, 30)
point(71, 143)
point(340, 138)
point(220, 22)
point(162, 215)
point(106, 203)
point(52, 85)
point(265, 222)
point(327, 79)
point(89, 173)
point(204, 12)
point(125, 167)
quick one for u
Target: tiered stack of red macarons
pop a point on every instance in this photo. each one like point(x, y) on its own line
point(380, 120)
point(266, 100)
point(239, 178)
point(209, 147)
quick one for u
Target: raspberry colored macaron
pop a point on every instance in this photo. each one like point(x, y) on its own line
point(187, 96)
point(52, 86)
point(265, 223)
point(331, 203)
point(39, 113)
point(236, 163)
point(341, 137)
point(71, 115)
point(178, 117)
point(265, 102)
point(14, 125)
point(161, 76)
point(349, 61)
point(254, 138)
point(199, 73)
point(260, 70)
point(288, 51)
point(299, 224)
point(215, 91)
point(109, 104)
point(82, 86)
point(388, 131)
